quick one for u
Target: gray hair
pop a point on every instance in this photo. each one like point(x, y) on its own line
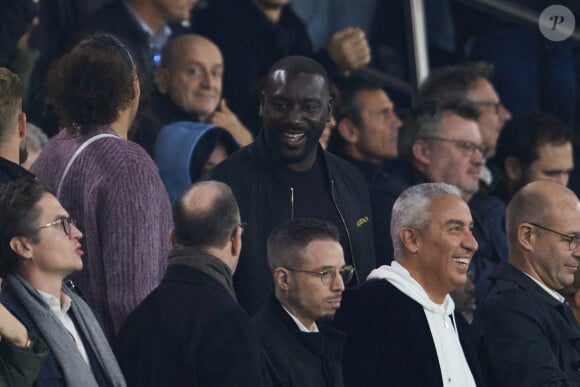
point(35, 138)
point(413, 209)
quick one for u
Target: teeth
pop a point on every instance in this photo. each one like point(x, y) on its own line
point(464, 261)
point(294, 136)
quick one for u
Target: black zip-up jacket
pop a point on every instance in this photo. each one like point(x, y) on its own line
point(265, 201)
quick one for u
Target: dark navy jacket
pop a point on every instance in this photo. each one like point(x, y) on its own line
point(528, 338)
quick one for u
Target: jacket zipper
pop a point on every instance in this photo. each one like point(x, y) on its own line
point(345, 227)
point(291, 203)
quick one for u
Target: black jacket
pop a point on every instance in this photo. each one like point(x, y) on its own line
point(295, 358)
point(10, 171)
point(389, 342)
point(528, 338)
point(191, 332)
point(265, 201)
point(251, 44)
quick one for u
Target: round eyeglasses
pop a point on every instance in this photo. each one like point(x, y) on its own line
point(328, 275)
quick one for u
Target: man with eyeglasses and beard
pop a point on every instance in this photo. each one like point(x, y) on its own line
point(528, 334)
point(310, 274)
point(12, 127)
point(39, 249)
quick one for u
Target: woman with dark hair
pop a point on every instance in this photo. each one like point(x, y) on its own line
point(108, 184)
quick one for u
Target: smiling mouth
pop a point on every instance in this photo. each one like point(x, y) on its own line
point(462, 261)
point(294, 138)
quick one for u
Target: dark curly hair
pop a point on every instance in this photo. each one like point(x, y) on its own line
point(18, 217)
point(91, 84)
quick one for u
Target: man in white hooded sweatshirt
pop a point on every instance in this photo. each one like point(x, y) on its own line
point(401, 325)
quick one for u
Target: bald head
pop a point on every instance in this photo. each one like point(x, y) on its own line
point(542, 202)
point(298, 65)
point(191, 73)
point(206, 215)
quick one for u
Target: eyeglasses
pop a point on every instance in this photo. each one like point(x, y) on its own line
point(572, 238)
point(467, 147)
point(327, 276)
point(66, 224)
point(494, 104)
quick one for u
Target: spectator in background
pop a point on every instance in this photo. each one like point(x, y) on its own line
point(533, 147)
point(471, 81)
point(366, 136)
point(36, 139)
point(142, 25)
point(309, 272)
point(190, 331)
point(12, 127)
point(254, 34)
point(440, 142)
point(110, 185)
point(189, 88)
point(285, 174)
point(527, 331)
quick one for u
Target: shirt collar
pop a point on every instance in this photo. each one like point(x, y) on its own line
point(300, 325)
point(158, 39)
point(551, 292)
point(63, 304)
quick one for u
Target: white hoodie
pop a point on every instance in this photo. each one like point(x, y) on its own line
point(454, 368)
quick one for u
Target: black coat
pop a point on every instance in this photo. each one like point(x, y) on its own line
point(389, 342)
point(295, 358)
point(251, 44)
point(10, 171)
point(528, 338)
point(189, 331)
point(264, 199)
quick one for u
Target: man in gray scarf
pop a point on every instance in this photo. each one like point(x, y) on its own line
point(40, 247)
point(190, 331)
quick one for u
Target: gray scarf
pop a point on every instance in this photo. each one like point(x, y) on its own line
point(76, 370)
point(204, 262)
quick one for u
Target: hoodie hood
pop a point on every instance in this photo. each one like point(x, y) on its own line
point(400, 278)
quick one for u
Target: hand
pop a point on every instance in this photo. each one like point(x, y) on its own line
point(349, 49)
point(11, 329)
point(225, 118)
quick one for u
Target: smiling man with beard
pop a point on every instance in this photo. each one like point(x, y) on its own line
point(285, 174)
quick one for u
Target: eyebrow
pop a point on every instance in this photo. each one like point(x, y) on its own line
point(457, 222)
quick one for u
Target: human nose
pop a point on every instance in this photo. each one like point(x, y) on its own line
point(337, 283)
point(504, 114)
point(397, 123)
point(469, 242)
point(294, 114)
point(75, 232)
point(477, 156)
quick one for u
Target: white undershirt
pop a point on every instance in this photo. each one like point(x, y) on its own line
point(65, 319)
point(300, 325)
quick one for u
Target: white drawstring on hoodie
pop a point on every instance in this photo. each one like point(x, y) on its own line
point(454, 368)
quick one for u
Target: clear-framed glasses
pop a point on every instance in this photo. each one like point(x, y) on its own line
point(66, 224)
point(572, 238)
point(328, 275)
point(467, 147)
point(494, 104)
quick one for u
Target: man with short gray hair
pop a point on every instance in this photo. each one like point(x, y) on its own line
point(401, 324)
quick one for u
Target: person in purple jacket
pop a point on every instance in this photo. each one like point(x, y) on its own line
point(109, 185)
